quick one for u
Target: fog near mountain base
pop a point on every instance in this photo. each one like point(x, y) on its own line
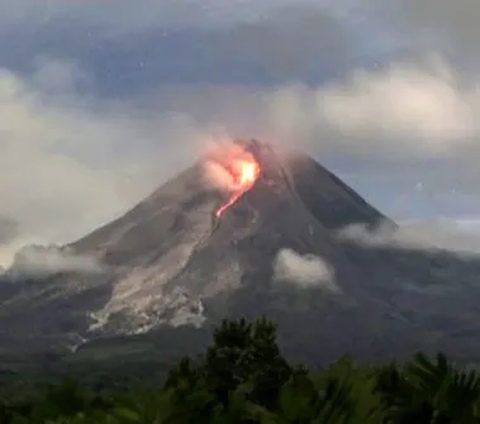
point(40, 261)
point(429, 236)
point(305, 271)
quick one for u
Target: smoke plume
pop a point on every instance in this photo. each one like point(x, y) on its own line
point(219, 155)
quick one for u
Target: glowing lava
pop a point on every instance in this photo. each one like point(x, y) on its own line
point(244, 173)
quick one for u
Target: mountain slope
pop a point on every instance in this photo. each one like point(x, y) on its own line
point(170, 253)
point(171, 261)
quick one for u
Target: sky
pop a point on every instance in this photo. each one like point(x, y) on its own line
point(103, 100)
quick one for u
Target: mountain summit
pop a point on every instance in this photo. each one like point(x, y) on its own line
point(250, 229)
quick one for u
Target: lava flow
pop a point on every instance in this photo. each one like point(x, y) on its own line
point(244, 173)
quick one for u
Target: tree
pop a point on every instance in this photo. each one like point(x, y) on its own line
point(243, 379)
point(440, 392)
point(245, 352)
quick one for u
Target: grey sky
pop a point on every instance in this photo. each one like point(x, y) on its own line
point(104, 100)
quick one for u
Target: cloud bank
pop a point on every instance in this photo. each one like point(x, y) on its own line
point(70, 162)
point(304, 271)
point(123, 16)
point(405, 111)
point(428, 236)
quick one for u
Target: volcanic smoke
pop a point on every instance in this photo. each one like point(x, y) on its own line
point(233, 169)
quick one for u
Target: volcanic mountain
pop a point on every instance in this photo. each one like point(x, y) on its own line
point(251, 230)
point(190, 242)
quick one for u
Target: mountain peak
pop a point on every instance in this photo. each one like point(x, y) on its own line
point(179, 256)
point(173, 260)
point(201, 234)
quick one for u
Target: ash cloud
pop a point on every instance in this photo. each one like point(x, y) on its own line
point(218, 156)
point(217, 176)
point(305, 271)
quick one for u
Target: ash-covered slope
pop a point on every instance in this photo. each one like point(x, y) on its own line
point(175, 262)
point(171, 261)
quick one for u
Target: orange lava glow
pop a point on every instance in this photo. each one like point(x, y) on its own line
point(245, 173)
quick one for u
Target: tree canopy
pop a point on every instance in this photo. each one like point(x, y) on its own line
point(242, 378)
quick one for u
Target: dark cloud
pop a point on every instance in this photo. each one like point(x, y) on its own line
point(297, 43)
point(108, 99)
point(76, 160)
point(453, 22)
point(8, 230)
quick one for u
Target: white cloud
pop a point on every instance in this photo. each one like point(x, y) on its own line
point(303, 270)
point(44, 260)
point(70, 162)
point(410, 109)
point(406, 110)
point(432, 235)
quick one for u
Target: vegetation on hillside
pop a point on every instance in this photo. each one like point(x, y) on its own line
point(242, 378)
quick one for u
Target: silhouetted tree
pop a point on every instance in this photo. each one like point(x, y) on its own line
point(245, 352)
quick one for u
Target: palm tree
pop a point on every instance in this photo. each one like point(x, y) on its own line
point(343, 394)
point(438, 393)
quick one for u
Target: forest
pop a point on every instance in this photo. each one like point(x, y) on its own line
point(243, 378)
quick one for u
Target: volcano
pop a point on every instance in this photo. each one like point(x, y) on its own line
point(253, 230)
point(200, 238)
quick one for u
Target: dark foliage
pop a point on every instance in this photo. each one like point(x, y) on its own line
point(242, 378)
